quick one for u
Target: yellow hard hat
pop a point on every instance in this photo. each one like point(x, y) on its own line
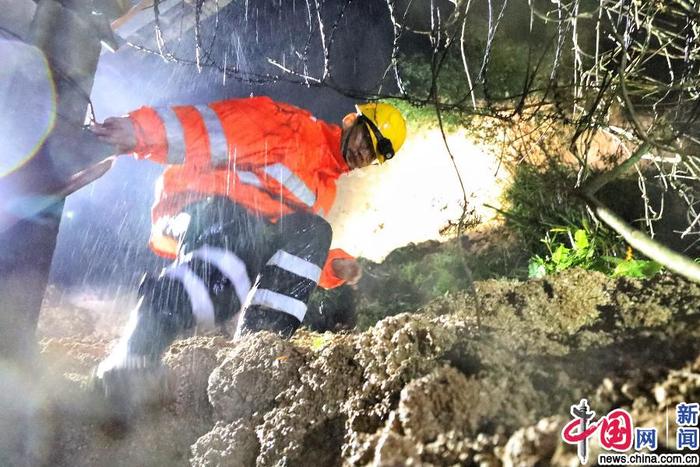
point(386, 126)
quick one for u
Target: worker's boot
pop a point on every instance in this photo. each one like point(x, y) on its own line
point(132, 375)
point(260, 318)
point(126, 392)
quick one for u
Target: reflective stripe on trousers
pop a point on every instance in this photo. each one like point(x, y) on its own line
point(197, 292)
point(281, 295)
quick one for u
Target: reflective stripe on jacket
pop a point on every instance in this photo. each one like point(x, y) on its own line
point(270, 157)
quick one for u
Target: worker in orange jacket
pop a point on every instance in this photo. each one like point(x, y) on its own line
point(240, 209)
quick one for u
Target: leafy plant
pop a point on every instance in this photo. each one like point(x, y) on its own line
point(583, 254)
point(539, 203)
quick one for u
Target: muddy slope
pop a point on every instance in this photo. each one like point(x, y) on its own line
point(459, 382)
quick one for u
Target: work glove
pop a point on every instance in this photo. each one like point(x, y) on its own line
point(347, 269)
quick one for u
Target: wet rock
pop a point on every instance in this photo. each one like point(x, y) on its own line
point(191, 362)
point(631, 390)
point(394, 450)
point(252, 375)
point(680, 386)
point(451, 448)
point(486, 460)
point(608, 393)
point(400, 348)
point(565, 456)
point(563, 303)
point(310, 418)
point(443, 401)
point(534, 445)
point(226, 445)
point(429, 427)
point(287, 434)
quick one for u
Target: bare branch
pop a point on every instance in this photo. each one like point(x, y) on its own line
point(638, 240)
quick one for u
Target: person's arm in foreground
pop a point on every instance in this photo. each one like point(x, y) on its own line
point(188, 134)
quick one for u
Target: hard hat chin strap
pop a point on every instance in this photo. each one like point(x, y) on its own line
point(384, 146)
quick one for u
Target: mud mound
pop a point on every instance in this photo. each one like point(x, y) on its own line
point(251, 377)
point(191, 362)
point(81, 319)
point(59, 319)
point(461, 381)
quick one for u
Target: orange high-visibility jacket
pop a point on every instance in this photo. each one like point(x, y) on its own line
point(272, 158)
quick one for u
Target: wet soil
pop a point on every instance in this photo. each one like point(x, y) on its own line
point(484, 378)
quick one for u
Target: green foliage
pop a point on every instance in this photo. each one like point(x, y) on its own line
point(505, 77)
point(434, 274)
point(635, 268)
point(407, 279)
point(475, 63)
point(423, 117)
point(558, 232)
point(540, 200)
point(583, 253)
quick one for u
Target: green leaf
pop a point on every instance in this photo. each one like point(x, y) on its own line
point(560, 255)
point(536, 268)
point(581, 240)
point(637, 268)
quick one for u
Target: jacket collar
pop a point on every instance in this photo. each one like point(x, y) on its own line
point(333, 134)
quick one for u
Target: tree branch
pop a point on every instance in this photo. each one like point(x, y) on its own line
point(594, 184)
point(638, 240)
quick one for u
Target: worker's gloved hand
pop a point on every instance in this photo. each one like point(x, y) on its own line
point(118, 131)
point(347, 269)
